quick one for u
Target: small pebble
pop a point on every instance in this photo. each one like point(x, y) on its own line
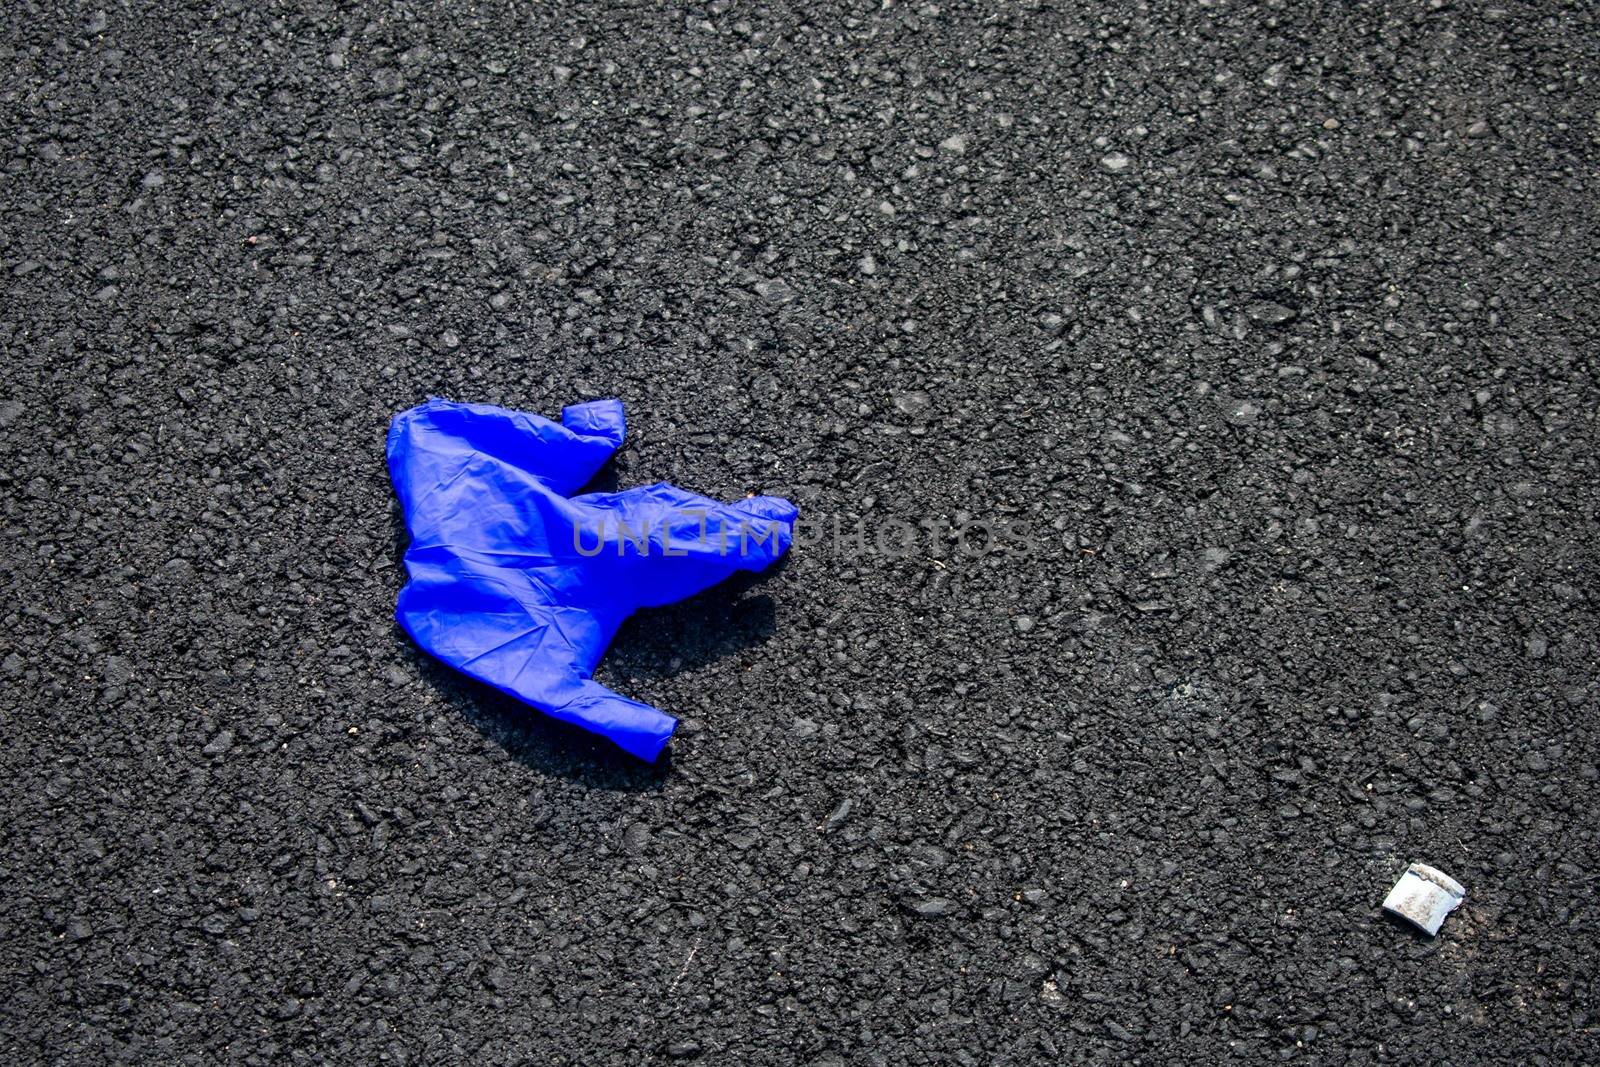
point(837, 818)
point(775, 290)
point(1269, 313)
point(636, 838)
point(913, 402)
point(934, 907)
point(1241, 412)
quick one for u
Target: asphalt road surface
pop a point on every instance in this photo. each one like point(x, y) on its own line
point(1262, 336)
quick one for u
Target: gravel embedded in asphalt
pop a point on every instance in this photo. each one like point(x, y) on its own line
point(1255, 346)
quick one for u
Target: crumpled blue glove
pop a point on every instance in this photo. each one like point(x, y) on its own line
point(522, 586)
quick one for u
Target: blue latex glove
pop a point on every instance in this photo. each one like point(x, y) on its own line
point(522, 586)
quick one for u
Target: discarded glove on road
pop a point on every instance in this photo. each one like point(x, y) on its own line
point(522, 586)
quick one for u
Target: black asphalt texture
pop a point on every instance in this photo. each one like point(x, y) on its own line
point(1261, 336)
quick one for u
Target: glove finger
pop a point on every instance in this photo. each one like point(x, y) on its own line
point(752, 533)
point(768, 507)
point(431, 443)
point(636, 728)
point(597, 418)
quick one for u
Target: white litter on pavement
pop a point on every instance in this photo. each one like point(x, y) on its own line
point(1424, 896)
